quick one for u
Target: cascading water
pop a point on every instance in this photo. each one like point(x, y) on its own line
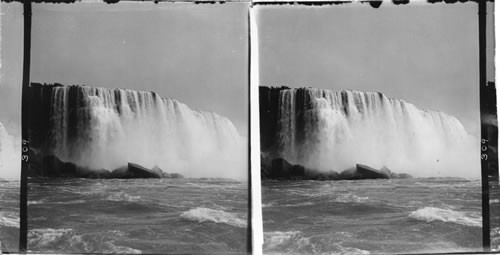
point(330, 130)
point(106, 128)
point(10, 155)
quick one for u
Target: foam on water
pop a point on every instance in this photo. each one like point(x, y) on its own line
point(46, 236)
point(430, 214)
point(120, 249)
point(66, 240)
point(121, 196)
point(495, 239)
point(294, 242)
point(9, 220)
point(287, 239)
point(350, 198)
point(265, 205)
point(351, 251)
point(201, 214)
point(36, 202)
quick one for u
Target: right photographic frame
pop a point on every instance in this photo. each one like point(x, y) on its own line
point(370, 127)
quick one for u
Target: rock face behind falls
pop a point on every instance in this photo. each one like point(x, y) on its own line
point(334, 130)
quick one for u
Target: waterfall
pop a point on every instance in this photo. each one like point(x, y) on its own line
point(10, 155)
point(106, 128)
point(334, 130)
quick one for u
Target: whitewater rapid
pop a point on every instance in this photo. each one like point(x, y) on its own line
point(334, 130)
point(106, 128)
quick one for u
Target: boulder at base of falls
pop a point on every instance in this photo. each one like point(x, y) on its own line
point(133, 171)
point(121, 173)
point(350, 174)
point(400, 176)
point(282, 169)
point(159, 171)
point(321, 175)
point(371, 173)
point(172, 176)
point(265, 167)
point(51, 166)
point(94, 174)
point(393, 175)
point(138, 171)
point(361, 172)
point(386, 170)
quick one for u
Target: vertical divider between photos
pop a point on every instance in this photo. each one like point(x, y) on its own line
point(257, 232)
point(489, 128)
point(25, 118)
point(250, 202)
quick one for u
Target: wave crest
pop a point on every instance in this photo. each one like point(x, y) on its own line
point(430, 214)
point(122, 197)
point(294, 242)
point(9, 220)
point(65, 240)
point(350, 198)
point(202, 214)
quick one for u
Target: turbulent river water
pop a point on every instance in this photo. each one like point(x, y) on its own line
point(137, 216)
point(372, 216)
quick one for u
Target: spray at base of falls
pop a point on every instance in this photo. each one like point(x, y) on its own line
point(10, 155)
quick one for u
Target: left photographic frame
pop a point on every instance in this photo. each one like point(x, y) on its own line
point(11, 69)
point(138, 128)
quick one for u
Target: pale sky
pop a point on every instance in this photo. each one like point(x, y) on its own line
point(196, 54)
point(11, 71)
point(425, 54)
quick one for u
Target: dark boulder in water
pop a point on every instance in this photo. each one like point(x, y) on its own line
point(121, 173)
point(95, 174)
point(172, 176)
point(371, 173)
point(400, 176)
point(363, 172)
point(158, 170)
point(282, 169)
point(163, 174)
point(386, 170)
point(350, 174)
point(265, 167)
point(322, 176)
point(53, 167)
point(141, 172)
point(298, 170)
point(133, 171)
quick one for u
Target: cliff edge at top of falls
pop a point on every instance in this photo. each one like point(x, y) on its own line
point(281, 169)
